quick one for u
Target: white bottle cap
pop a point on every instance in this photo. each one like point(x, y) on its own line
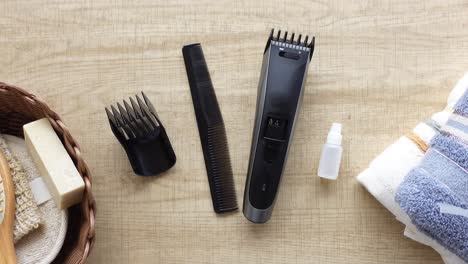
point(334, 136)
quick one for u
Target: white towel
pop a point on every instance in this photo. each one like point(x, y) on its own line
point(447, 256)
point(457, 92)
point(386, 171)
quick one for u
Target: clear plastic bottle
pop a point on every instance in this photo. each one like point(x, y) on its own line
point(330, 158)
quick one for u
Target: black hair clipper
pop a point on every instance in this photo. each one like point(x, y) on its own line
point(280, 92)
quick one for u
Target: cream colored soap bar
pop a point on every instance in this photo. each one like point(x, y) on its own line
point(55, 165)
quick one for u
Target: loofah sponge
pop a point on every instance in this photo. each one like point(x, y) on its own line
point(44, 243)
point(27, 216)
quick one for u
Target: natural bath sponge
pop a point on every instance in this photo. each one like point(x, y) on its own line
point(27, 216)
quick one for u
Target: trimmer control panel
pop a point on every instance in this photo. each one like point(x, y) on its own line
point(275, 128)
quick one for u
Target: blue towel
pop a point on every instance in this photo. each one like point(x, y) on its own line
point(461, 107)
point(457, 126)
point(422, 196)
point(446, 171)
point(435, 193)
point(452, 147)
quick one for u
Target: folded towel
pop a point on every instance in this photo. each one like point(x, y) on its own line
point(457, 92)
point(435, 193)
point(447, 171)
point(458, 126)
point(421, 196)
point(389, 169)
point(451, 147)
point(447, 256)
point(461, 107)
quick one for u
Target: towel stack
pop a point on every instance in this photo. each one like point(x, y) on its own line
point(422, 179)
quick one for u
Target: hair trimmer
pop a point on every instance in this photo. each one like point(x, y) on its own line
point(280, 92)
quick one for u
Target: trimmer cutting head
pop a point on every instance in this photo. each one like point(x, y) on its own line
point(280, 91)
point(292, 41)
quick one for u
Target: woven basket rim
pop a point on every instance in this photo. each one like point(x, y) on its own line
point(88, 203)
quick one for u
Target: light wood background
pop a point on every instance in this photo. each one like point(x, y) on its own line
point(379, 68)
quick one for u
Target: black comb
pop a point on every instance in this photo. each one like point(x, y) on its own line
point(211, 130)
point(140, 131)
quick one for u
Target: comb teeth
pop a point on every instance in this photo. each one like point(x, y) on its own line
point(219, 170)
point(211, 130)
point(284, 38)
point(135, 119)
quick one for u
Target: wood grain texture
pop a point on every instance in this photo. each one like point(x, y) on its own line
point(7, 247)
point(379, 68)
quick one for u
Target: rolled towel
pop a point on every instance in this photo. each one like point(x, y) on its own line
point(457, 92)
point(388, 170)
point(451, 147)
point(447, 171)
point(458, 126)
point(435, 193)
point(422, 197)
point(447, 256)
point(461, 107)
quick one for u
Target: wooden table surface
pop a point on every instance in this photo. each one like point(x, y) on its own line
point(379, 67)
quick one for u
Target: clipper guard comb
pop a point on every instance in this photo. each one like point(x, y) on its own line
point(141, 133)
point(280, 91)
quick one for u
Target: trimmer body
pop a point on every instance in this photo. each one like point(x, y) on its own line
point(280, 92)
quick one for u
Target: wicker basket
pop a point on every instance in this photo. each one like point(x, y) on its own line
point(18, 107)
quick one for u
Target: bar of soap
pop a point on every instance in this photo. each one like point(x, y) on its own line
point(55, 165)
